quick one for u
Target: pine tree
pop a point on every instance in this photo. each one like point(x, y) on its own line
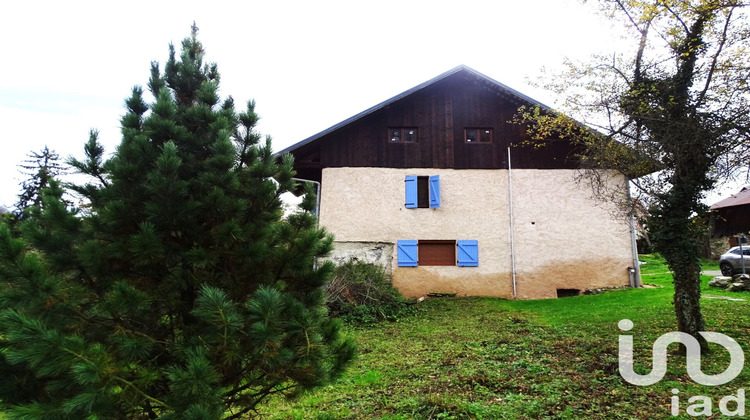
point(6, 216)
point(181, 292)
point(40, 169)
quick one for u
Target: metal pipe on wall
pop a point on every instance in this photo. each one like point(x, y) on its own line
point(317, 199)
point(636, 276)
point(317, 208)
point(512, 244)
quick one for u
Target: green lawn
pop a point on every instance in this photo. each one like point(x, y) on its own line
point(466, 358)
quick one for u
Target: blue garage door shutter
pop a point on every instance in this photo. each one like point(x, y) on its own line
point(467, 253)
point(407, 253)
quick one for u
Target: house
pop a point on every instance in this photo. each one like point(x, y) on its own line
point(437, 186)
point(731, 215)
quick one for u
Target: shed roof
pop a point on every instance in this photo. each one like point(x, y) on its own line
point(739, 199)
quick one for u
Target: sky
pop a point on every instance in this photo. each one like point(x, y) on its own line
point(68, 66)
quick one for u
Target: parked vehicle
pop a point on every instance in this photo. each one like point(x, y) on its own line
point(730, 262)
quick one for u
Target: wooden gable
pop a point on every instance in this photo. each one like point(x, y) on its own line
point(440, 111)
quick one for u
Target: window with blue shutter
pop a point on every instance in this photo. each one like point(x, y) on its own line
point(411, 191)
point(422, 191)
point(467, 253)
point(435, 191)
point(408, 253)
point(412, 253)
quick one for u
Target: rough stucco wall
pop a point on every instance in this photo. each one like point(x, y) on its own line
point(573, 243)
point(564, 237)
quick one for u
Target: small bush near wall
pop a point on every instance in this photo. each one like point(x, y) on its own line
point(361, 292)
point(644, 246)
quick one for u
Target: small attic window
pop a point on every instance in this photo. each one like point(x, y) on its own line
point(402, 135)
point(478, 135)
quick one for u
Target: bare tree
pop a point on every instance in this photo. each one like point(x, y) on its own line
point(676, 106)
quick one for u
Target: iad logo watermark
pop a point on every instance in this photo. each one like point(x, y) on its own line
point(701, 404)
point(693, 358)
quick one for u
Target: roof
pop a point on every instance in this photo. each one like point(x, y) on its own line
point(739, 199)
point(462, 68)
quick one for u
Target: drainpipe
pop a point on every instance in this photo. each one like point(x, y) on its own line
point(512, 244)
point(635, 271)
point(317, 209)
point(742, 253)
point(317, 199)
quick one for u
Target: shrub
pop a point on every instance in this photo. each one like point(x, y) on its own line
point(644, 246)
point(362, 292)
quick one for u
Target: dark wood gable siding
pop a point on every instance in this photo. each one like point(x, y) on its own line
point(440, 112)
point(365, 142)
point(474, 106)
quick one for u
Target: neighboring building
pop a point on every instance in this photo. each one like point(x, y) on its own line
point(421, 184)
point(731, 216)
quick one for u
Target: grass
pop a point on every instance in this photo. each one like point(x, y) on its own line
point(481, 358)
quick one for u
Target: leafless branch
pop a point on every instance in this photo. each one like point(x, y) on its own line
point(715, 57)
point(676, 16)
point(627, 13)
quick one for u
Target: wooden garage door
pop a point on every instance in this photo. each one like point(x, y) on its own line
point(437, 252)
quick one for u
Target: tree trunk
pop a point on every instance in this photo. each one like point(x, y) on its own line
point(678, 240)
point(687, 294)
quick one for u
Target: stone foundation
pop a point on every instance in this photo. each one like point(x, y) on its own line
point(378, 253)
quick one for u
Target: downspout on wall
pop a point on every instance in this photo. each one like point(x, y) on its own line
point(512, 244)
point(317, 199)
point(636, 271)
point(317, 209)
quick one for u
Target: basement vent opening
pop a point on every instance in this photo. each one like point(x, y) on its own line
point(561, 293)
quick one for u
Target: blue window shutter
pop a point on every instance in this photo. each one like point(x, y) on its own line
point(411, 191)
point(468, 253)
point(435, 191)
point(407, 253)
